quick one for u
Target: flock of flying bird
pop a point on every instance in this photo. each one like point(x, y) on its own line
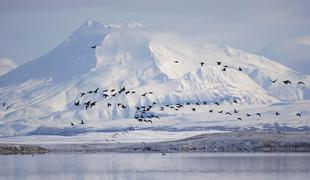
point(145, 113)
point(5, 106)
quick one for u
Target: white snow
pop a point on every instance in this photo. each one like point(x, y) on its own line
point(139, 136)
point(40, 94)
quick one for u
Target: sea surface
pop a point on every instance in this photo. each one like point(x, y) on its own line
point(113, 166)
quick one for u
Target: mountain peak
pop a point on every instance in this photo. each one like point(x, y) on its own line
point(106, 57)
point(125, 25)
point(95, 27)
point(91, 22)
point(91, 26)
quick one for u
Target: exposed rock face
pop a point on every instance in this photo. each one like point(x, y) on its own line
point(6, 149)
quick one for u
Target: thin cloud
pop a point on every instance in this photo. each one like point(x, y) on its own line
point(305, 40)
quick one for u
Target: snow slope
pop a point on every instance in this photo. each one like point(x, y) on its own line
point(40, 94)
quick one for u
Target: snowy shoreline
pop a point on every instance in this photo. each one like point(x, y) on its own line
point(245, 141)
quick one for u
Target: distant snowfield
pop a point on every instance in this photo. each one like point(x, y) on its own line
point(138, 136)
point(37, 98)
point(173, 125)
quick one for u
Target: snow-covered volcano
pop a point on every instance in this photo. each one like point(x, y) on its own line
point(41, 92)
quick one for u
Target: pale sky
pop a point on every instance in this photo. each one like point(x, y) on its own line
point(277, 29)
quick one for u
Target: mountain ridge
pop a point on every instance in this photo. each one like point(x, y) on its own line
point(44, 90)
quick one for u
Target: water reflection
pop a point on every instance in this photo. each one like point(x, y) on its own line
point(114, 166)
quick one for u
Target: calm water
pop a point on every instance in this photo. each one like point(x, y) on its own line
point(155, 166)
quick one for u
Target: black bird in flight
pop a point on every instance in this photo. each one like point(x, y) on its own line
point(90, 92)
point(144, 94)
point(82, 122)
point(224, 69)
point(258, 114)
point(193, 109)
point(239, 118)
point(235, 101)
point(287, 82)
point(298, 114)
point(179, 105)
point(94, 47)
point(217, 103)
point(239, 69)
point(176, 61)
point(105, 95)
point(221, 111)
point(227, 113)
point(202, 63)
point(119, 104)
point(72, 124)
point(301, 83)
point(122, 90)
point(274, 81)
point(218, 63)
point(95, 91)
point(235, 111)
point(277, 113)
point(211, 110)
point(248, 114)
point(109, 105)
point(132, 92)
point(82, 94)
point(77, 103)
point(92, 104)
point(87, 103)
point(127, 92)
point(225, 66)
